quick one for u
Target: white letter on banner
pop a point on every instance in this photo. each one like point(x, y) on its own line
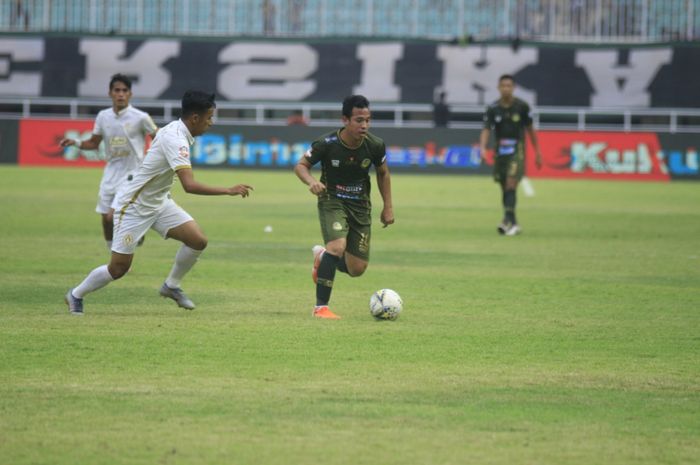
point(20, 82)
point(103, 58)
point(378, 71)
point(621, 85)
point(267, 71)
point(470, 74)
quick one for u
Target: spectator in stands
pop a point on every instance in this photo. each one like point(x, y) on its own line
point(19, 16)
point(296, 118)
point(268, 9)
point(296, 9)
point(441, 112)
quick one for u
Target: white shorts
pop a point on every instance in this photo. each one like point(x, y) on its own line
point(130, 226)
point(105, 200)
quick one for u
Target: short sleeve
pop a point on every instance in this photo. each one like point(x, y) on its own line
point(99, 125)
point(488, 118)
point(527, 115)
point(315, 152)
point(147, 124)
point(177, 153)
point(380, 155)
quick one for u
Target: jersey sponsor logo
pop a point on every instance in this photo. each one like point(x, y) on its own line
point(351, 192)
point(507, 146)
point(366, 162)
point(184, 151)
point(119, 147)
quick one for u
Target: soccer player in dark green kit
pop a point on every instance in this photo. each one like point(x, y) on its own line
point(344, 207)
point(510, 118)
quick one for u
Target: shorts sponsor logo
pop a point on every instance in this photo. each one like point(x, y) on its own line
point(128, 239)
point(337, 226)
point(364, 243)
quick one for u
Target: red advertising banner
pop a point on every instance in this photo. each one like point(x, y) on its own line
point(598, 155)
point(39, 143)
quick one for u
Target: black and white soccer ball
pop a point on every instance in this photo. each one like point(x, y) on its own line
point(385, 304)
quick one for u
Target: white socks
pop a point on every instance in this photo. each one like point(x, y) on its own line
point(184, 261)
point(97, 279)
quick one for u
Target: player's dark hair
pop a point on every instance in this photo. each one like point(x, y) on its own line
point(354, 101)
point(506, 76)
point(123, 78)
point(195, 101)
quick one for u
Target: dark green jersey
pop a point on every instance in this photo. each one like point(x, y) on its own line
point(508, 124)
point(344, 170)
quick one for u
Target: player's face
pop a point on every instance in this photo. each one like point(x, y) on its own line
point(358, 123)
point(506, 87)
point(120, 95)
point(202, 122)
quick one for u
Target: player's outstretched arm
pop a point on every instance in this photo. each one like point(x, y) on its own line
point(303, 172)
point(384, 184)
point(193, 187)
point(90, 144)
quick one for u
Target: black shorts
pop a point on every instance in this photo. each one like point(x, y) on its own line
point(346, 219)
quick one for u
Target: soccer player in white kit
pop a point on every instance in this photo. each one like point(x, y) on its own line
point(144, 203)
point(124, 129)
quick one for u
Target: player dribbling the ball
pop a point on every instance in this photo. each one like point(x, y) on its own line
point(343, 192)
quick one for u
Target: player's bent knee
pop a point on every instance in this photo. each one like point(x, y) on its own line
point(198, 243)
point(118, 271)
point(357, 270)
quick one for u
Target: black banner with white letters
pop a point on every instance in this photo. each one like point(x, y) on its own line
point(387, 72)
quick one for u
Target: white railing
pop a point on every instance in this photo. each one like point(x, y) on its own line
point(395, 115)
point(597, 21)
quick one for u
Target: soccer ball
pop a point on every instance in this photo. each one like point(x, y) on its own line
point(385, 304)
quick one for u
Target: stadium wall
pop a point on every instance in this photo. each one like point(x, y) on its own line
point(588, 155)
point(392, 72)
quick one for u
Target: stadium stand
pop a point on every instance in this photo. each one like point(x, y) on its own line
point(635, 21)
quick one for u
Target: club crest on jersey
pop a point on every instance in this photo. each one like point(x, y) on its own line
point(365, 163)
point(184, 151)
point(498, 118)
point(335, 163)
point(516, 118)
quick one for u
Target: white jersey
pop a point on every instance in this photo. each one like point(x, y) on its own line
point(124, 136)
point(150, 186)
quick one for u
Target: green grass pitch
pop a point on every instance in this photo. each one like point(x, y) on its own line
point(577, 342)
